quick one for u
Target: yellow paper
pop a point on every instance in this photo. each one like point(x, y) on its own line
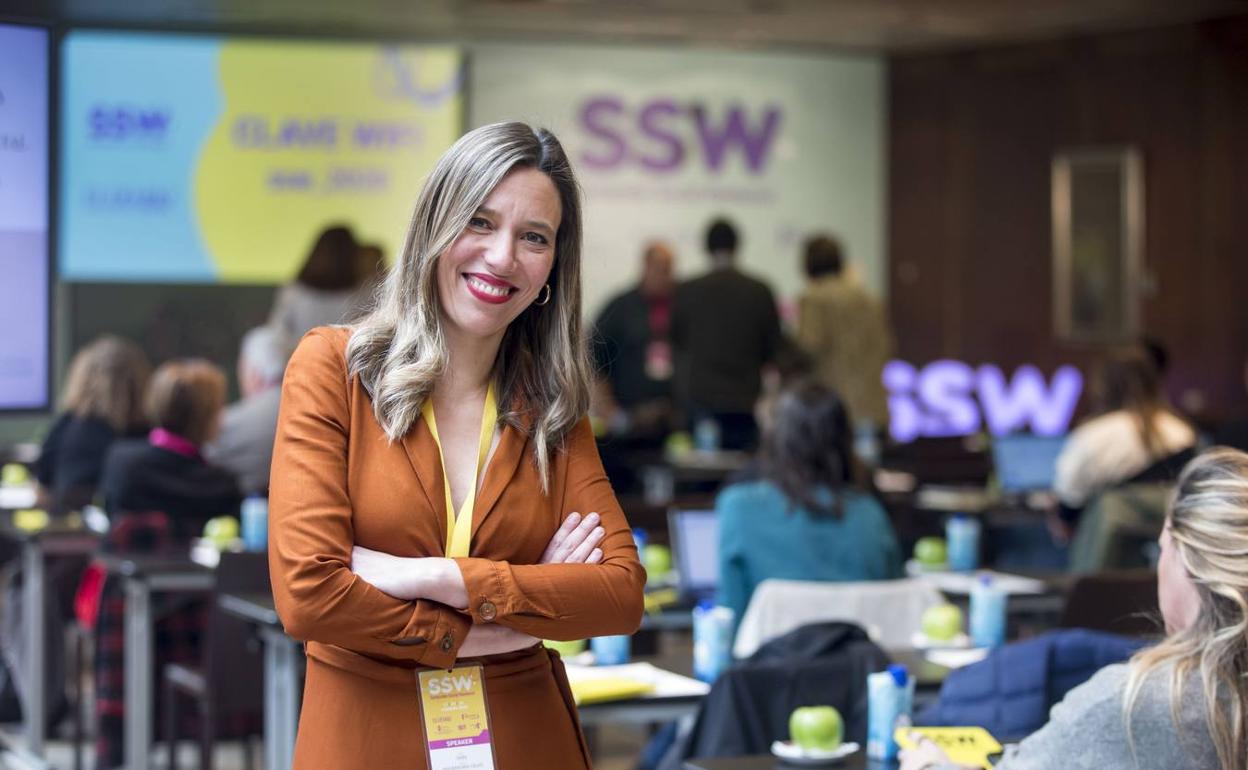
point(608, 688)
point(964, 745)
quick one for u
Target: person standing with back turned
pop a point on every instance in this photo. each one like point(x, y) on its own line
point(437, 502)
point(725, 329)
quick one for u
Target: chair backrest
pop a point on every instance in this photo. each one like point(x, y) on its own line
point(749, 705)
point(1117, 526)
point(891, 610)
point(140, 532)
point(233, 655)
point(1120, 602)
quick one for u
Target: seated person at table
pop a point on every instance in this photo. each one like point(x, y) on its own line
point(165, 472)
point(1183, 703)
point(1132, 436)
point(244, 445)
point(810, 516)
point(103, 400)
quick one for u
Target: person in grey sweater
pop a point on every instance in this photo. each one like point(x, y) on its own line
point(244, 445)
point(1183, 703)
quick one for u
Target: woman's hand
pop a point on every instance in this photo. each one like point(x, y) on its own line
point(925, 754)
point(411, 578)
point(576, 542)
point(492, 639)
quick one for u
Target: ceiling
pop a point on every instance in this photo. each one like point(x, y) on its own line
point(867, 25)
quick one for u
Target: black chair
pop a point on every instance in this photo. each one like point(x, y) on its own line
point(1119, 602)
point(749, 705)
point(227, 686)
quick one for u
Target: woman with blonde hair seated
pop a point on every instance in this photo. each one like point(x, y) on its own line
point(102, 401)
point(1183, 703)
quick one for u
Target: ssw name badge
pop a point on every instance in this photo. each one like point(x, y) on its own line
point(457, 722)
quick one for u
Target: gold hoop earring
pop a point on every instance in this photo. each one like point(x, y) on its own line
point(545, 298)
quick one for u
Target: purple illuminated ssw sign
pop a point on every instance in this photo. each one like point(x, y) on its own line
point(952, 398)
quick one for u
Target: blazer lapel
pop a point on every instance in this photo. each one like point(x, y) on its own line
point(498, 474)
point(422, 453)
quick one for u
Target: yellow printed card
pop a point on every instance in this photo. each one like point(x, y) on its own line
point(457, 724)
point(964, 745)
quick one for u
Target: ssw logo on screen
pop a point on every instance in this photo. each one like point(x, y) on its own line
point(115, 124)
point(952, 398)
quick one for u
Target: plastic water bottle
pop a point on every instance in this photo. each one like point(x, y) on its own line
point(866, 442)
point(890, 698)
point(611, 650)
point(706, 435)
point(255, 523)
point(987, 613)
point(962, 539)
point(712, 640)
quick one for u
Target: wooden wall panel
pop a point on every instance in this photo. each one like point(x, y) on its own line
point(972, 136)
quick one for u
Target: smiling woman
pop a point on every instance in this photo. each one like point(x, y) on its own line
point(502, 258)
point(437, 499)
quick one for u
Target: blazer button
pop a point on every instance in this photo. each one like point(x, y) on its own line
point(448, 642)
point(487, 611)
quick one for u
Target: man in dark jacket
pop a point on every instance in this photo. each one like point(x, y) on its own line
point(632, 351)
point(725, 330)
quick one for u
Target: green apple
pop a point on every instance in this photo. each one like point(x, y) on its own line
point(931, 552)
point(816, 727)
point(657, 559)
point(679, 443)
point(566, 649)
point(942, 622)
point(222, 530)
point(14, 475)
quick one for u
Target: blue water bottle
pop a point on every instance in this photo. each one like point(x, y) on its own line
point(712, 640)
point(255, 522)
point(706, 435)
point(611, 650)
point(987, 613)
point(890, 698)
point(962, 539)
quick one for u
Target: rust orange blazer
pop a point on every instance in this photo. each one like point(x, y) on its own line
point(336, 482)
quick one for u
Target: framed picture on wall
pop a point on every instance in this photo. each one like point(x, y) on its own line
point(1098, 243)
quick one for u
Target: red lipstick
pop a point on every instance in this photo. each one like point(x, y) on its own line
point(488, 289)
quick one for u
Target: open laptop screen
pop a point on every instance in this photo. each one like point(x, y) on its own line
point(1026, 463)
point(695, 546)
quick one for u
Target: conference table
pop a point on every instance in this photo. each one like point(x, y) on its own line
point(283, 674)
point(62, 537)
point(856, 761)
point(678, 696)
point(144, 577)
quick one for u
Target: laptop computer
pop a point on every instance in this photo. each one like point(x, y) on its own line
point(695, 550)
point(1025, 462)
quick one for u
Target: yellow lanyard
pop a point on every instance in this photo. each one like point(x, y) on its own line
point(459, 526)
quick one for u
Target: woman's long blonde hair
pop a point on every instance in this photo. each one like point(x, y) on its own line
point(398, 350)
point(1209, 529)
point(107, 380)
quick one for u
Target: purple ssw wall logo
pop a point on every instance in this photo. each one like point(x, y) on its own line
point(662, 135)
point(951, 398)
